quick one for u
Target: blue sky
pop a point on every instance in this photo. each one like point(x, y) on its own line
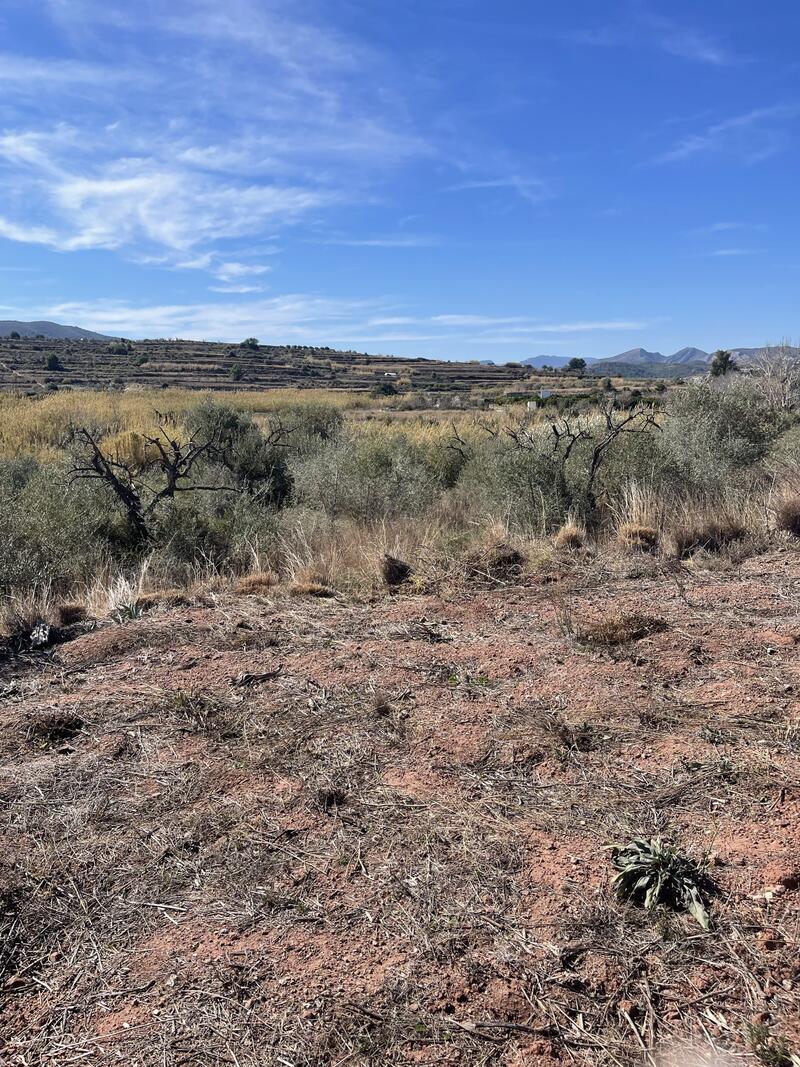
point(450, 178)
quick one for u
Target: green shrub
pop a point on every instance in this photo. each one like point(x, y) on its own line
point(368, 476)
point(519, 485)
point(51, 531)
point(784, 453)
point(202, 529)
point(713, 437)
point(241, 455)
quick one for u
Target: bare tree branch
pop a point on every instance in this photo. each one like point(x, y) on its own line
point(175, 462)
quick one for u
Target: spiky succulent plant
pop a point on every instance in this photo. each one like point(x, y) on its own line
point(652, 873)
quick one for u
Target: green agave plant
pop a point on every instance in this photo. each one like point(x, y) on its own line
point(652, 873)
point(127, 612)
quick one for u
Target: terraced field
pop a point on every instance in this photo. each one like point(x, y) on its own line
point(201, 365)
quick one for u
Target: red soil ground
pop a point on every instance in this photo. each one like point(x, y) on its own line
point(276, 830)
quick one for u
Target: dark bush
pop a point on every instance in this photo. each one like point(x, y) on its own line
point(787, 516)
point(715, 535)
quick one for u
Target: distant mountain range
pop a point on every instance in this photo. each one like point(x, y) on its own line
point(634, 356)
point(649, 364)
point(556, 362)
point(641, 355)
point(636, 362)
point(52, 331)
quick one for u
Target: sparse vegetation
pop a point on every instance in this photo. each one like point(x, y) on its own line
point(272, 796)
point(497, 561)
point(192, 484)
point(128, 612)
point(120, 348)
point(772, 1050)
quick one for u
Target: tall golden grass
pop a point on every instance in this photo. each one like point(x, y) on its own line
point(39, 426)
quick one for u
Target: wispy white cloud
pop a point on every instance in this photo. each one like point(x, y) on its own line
point(227, 272)
point(529, 188)
point(295, 317)
point(724, 227)
point(307, 319)
point(409, 240)
point(149, 173)
point(39, 235)
point(392, 320)
point(138, 203)
point(734, 252)
point(29, 74)
point(642, 28)
point(752, 136)
point(236, 289)
point(591, 327)
point(684, 41)
point(37, 149)
point(478, 320)
point(262, 28)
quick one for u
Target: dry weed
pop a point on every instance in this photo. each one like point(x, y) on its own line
point(256, 584)
point(312, 586)
point(395, 571)
point(70, 613)
point(172, 598)
point(638, 537)
point(570, 538)
point(620, 629)
point(25, 613)
point(712, 535)
point(496, 562)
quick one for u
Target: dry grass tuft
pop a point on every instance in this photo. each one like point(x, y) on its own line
point(620, 629)
point(255, 584)
point(787, 516)
point(24, 612)
point(173, 598)
point(499, 562)
point(311, 588)
point(131, 449)
point(638, 537)
point(112, 593)
point(382, 705)
point(395, 571)
point(713, 535)
point(570, 538)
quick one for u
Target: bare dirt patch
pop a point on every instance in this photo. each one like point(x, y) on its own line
point(271, 829)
